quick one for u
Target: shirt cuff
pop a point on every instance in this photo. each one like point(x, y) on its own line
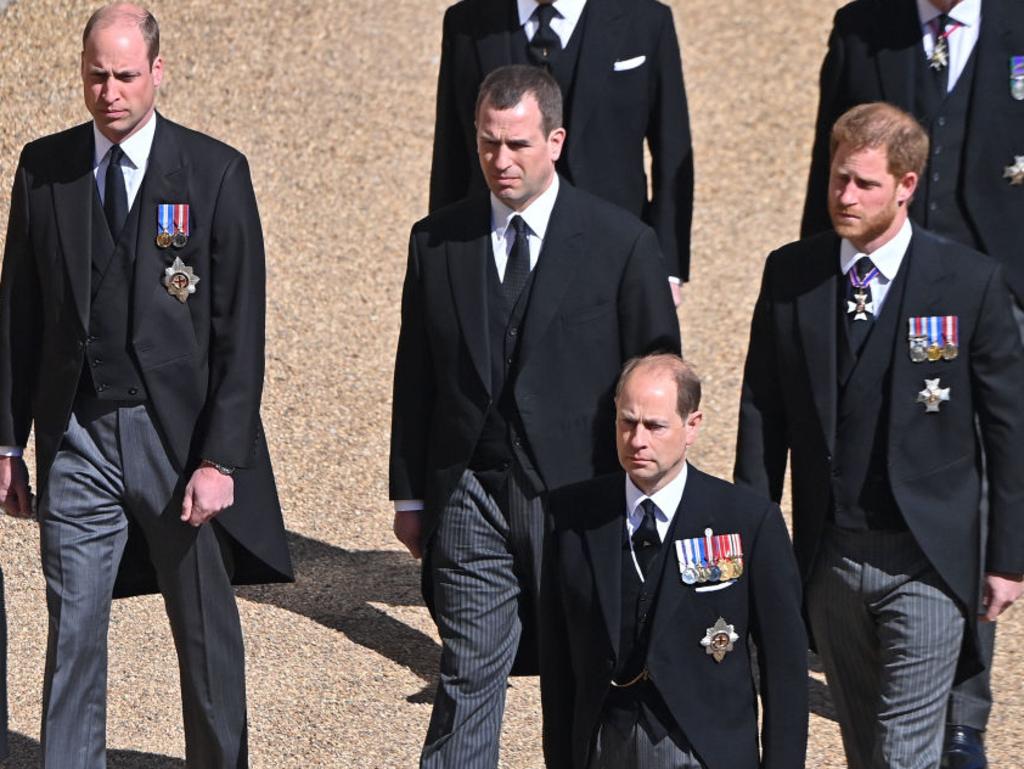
point(408, 505)
point(674, 279)
point(10, 451)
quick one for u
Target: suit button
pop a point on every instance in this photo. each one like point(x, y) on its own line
point(101, 388)
point(508, 360)
point(504, 466)
point(942, 121)
point(133, 390)
point(513, 331)
point(97, 361)
point(517, 443)
point(81, 345)
point(938, 149)
point(935, 176)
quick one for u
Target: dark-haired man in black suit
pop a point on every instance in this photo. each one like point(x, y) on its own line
point(660, 578)
point(519, 307)
point(874, 349)
point(617, 63)
point(965, 84)
point(131, 338)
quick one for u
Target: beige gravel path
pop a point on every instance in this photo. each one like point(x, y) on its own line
point(341, 664)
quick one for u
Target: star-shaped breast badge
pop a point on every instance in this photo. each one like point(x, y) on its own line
point(180, 280)
point(1015, 173)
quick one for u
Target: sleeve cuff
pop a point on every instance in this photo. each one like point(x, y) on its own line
point(408, 505)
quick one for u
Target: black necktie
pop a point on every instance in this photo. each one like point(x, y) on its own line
point(940, 55)
point(545, 45)
point(646, 541)
point(517, 269)
point(860, 308)
point(115, 194)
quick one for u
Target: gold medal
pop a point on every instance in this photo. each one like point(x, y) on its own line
point(163, 240)
point(934, 352)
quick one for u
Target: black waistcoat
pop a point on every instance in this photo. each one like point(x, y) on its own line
point(939, 202)
point(640, 702)
point(862, 495)
point(110, 371)
point(503, 439)
point(563, 70)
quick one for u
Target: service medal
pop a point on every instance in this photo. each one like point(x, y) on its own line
point(181, 225)
point(1017, 77)
point(687, 573)
point(933, 395)
point(736, 550)
point(719, 639)
point(1015, 173)
point(180, 280)
point(951, 337)
point(164, 223)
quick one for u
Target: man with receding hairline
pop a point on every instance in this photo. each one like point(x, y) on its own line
point(131, 339)
point(874, 348)
point(519, 308)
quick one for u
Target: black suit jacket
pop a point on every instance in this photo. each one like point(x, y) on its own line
point(871, 57)
point(201, 361)
point(790, 392)
point(715, 704)
point(611, 112)
point(599, 297)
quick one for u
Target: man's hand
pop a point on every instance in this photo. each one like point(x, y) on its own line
point(677, 292)
point(208, 492)
point(408, 526)
point(1001, 590)
point(15, 494)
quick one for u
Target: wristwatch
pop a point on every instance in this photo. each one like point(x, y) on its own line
point(222, 469)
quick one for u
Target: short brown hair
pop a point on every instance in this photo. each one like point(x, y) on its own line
point(686, 379)
point(505, 87)
point(879, 125)
point(115, 12)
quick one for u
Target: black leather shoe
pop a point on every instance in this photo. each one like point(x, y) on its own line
point(963, 749)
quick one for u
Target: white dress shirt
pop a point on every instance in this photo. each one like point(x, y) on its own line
point(136, 149)
point(967, 13)
point(666, 499)
point(886, 258)
point(567, 16)
point(536, 215)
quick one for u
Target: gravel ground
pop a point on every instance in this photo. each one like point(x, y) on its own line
point(341, 664)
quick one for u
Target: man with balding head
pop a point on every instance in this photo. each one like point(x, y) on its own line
point(131, 339)
point(661, 581)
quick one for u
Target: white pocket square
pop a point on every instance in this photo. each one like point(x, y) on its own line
point(713, 588)
point(624, 64)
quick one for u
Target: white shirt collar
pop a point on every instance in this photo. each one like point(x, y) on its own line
point(666, 498)
point(136, 147)
point(887, 258)
point(966, 12)
point(570, 10)
point(536, 215)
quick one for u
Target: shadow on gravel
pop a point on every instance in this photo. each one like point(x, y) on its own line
point(336, 587)
point(818, 695)
point(25, 755)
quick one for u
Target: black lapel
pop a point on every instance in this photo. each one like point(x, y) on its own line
point(603, 30)
point(166, 181)
point(496, 27)
point(604, 550)
point(816, 313)
point(467, 254)
point(694, 514)
point(73, 197)
point(927, 293)
point(897, 33)
point(561, 256)
point(991, 78)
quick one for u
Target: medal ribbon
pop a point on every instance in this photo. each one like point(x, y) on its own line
point(934, 331)
point(943, 34)
point(691, 552)
point(1017, 66)
point(862, 282)
point(181, 218)
point(680, 556)
point(738, 546)
point(952, 329)
point(164, 216)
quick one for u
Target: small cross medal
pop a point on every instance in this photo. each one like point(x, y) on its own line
point(860, 307)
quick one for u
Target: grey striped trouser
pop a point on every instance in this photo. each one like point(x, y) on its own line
point(614, 750)
point(111, 465)
point(889, 636)
point(484, 568)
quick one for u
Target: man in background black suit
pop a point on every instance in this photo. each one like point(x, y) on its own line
point(659, 580)
point(965, 84)
point(617, 63)
point(874, 350)
point(131, 338)
point(518, 310)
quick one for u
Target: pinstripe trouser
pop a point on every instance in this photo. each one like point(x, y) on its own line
point(111, 465)
point(485, 566)
point(614, 750)
point(889, 637)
